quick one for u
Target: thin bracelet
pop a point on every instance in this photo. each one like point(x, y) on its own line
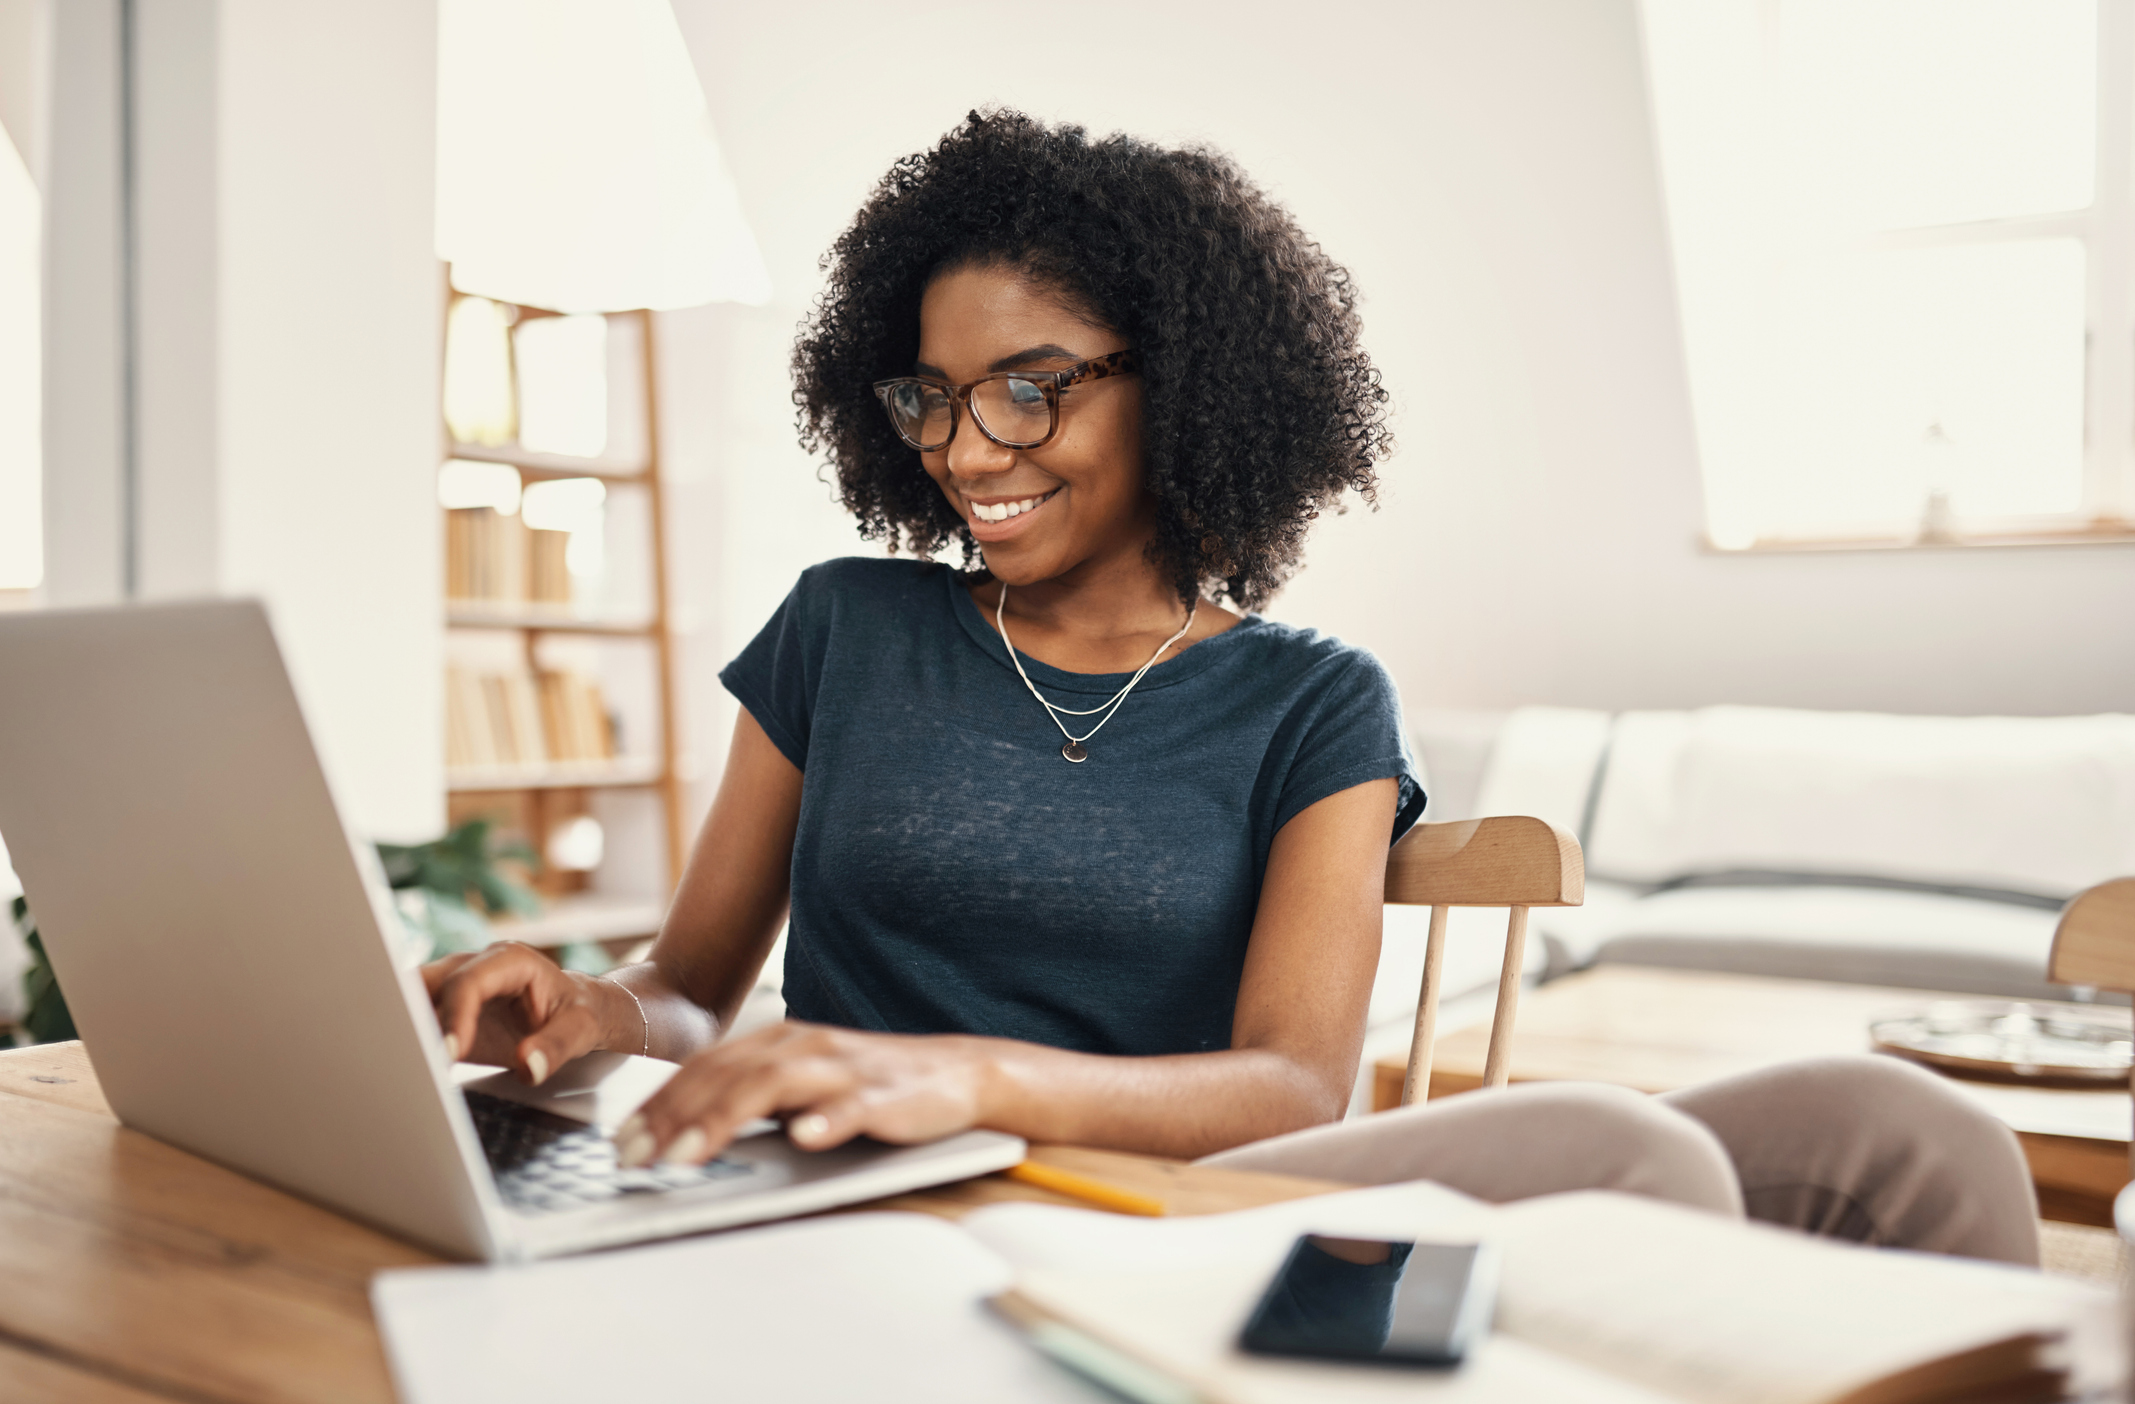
point(642, 1016)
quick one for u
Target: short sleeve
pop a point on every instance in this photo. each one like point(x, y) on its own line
point(777, 676)
point(1352, 734)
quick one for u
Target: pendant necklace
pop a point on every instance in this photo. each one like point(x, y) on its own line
point(1074, 750)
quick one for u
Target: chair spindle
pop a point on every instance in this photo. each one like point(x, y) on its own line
point(1497, 1064)
point(1416, 1086)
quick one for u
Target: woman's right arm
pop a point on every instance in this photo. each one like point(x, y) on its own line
point(512, 1006)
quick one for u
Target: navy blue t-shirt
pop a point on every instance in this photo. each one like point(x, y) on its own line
point(954, 874)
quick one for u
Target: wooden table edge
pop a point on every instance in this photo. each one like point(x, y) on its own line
point(58, 1080)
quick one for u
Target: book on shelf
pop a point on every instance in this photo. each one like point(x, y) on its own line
point(579, 728)
point(548, 567)
point(495, 557)
point(514, 718)
point(470, 740)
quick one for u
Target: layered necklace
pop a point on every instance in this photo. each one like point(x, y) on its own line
point(1074, 750)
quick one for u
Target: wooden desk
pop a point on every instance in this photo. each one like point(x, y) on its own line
point(1657, 1030)
point(134, 1273)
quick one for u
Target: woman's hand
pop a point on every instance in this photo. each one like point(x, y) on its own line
point(829, 1084)
point(513, 1006)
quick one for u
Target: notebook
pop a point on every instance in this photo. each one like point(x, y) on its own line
point(1655, 1301)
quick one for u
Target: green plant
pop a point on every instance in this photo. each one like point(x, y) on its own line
point(449, 886)
point(47, 1019)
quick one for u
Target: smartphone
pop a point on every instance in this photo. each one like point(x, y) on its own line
point(1375, 1299)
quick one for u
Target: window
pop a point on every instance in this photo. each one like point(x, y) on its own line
point(1904, 249)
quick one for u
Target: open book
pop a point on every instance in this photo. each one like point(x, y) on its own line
point(1604, 1297)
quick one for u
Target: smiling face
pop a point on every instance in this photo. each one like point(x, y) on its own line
point(1074, 505)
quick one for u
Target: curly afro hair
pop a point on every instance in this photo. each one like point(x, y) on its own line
point(1260, 407)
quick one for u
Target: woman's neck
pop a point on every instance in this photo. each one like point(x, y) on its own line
point(1112, 604)
point(1099, 621)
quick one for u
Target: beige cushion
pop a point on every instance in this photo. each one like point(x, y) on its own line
point(2041, 805)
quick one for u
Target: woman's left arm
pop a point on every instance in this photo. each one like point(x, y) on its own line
point(1295, 1038)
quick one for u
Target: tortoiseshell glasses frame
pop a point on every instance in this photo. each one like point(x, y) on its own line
point(925, 411)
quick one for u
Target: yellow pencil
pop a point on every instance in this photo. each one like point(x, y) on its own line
point(1082, 1187)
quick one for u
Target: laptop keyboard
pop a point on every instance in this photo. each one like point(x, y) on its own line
point(543, 1162)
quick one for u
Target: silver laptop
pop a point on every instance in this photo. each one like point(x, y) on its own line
point(233, 960)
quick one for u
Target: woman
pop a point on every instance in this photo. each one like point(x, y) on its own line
point(1073, 848)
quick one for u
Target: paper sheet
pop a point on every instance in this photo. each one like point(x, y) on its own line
point(880, 1307)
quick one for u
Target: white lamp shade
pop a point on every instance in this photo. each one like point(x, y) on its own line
point(576, 166)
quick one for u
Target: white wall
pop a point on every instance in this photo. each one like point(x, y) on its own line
point(289, 325)
point(178, 166)
point(1485, 167)
point(84, 355)
point(332, 322)
point(25, 68)
point(25, 77)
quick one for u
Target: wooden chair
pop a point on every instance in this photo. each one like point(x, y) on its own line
point(2094, 944)
point(1499, 862)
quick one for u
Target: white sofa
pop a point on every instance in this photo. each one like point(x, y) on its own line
point(1926, 852)
point(1930, 852)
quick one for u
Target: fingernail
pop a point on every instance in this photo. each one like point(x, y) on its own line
point(537, 1066)
point(687, 1148)
point(812, 1127)
point(635, 1149)
point(452, 1048)
point(633, 1125)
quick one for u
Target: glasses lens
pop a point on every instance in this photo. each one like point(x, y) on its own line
point(1014, 410)
point(920, 413)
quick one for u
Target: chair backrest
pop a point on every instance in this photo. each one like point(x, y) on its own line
point(1506, 861)
point(2094, 944)
point(2095, 941)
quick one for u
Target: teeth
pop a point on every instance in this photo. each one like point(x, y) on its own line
point(1002, 511)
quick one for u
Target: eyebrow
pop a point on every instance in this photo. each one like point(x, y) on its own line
point(1048, 352)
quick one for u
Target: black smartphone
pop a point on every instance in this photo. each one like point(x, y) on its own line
point(1375, 1299)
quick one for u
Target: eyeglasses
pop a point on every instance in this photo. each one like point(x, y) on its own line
point(1015, 409)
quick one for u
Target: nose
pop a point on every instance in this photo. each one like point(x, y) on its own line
point(974, 456)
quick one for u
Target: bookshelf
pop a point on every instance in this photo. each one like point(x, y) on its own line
point(534, 741)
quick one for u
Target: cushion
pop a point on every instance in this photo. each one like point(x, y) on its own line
point(2039, 805)
point(1453, 745)
point(1852, 935)
point(1543, 764)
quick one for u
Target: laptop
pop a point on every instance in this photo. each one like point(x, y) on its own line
point(234, 962)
